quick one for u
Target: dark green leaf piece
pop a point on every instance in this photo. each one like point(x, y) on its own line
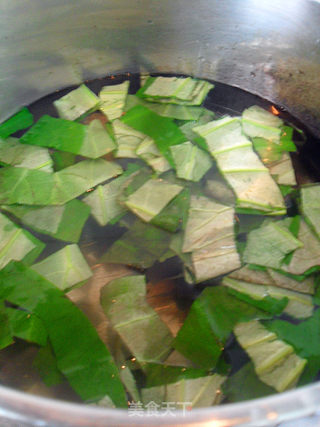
point(158, 374)
point(162, 130)
point(21, 120)
point(46, 364)
point(55, 133)
point(210, 321)
point(140, 246)
point(174, 214)
point(26, 326)
point(245, 385)
point(81, 355)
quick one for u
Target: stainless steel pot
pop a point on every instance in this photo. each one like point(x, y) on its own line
point(268, 47)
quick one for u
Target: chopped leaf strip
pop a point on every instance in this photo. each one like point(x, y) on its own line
point(245, 385)
point(307, 256)
point(81, 355)
point(174, 215)
point(177, 90)
point(55, 133)
point(149, 152)
point(64, 268)
point(77, 179)
point(299, 305)
point(257, 122)
point(104, 200)
point(128, 140)
point(46, 364)
point(209, 235)
point(21, 120)
point(178, 112)
point(269, 244)
point(209, 323)
point(274, 360)
point(124, 303)
point(283, 171)
point(241, 167)
point(191, 162)
point(13, 153)
point(162, 130)
point(76, 103)
point(63, 222)
point(26, 326)
point(140, 246)
point(197, 392)
point(6, 337)
point(310, 204)
point(162, 374)
point(16, 243)
point(149, 200)
point(113, 99)
point(297, 336)
point(91, 140)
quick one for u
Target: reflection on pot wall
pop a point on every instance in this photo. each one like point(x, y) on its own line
point(268, 47)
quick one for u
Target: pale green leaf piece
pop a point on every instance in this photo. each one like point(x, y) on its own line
point(151, 198)
point(209, 236)
point(282, 171)
point(308, 255)
point(195, 393)
point(269, 244)
point(13, 153)
point(15, 243)
point(149, 152)
point(64, 222)
point(32, 187)
point(175, 111)
point(241, 167)
point(139, 326)
point(176, 90)
point(97, 142)
point(128, 140)
point(25, 186)
point(257, 122)
point(310, 205)
point(77, 103)
point(274, 361)
point(104, 200)
point(113, 99)
point(64, 268)
point(299, 305)
point(274, 278)
point(75, 180)
point(191, 162)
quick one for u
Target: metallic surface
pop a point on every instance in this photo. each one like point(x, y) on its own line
point(268, 47)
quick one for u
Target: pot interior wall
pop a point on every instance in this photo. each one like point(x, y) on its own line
point(270, 48)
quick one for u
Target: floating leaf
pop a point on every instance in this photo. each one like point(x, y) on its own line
point(21, 120)
point(64, 222)
point(141, 246)
point(81, 355)
point(77, 103)
point(16, 243)
point(162, 130)
point(113, 99)
point(64, 268)
point(209, 323)
point(274, 361)
point(149, 200)
point(191, 162)
point(139, 326)
point(13, 153)
point(257, 122)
